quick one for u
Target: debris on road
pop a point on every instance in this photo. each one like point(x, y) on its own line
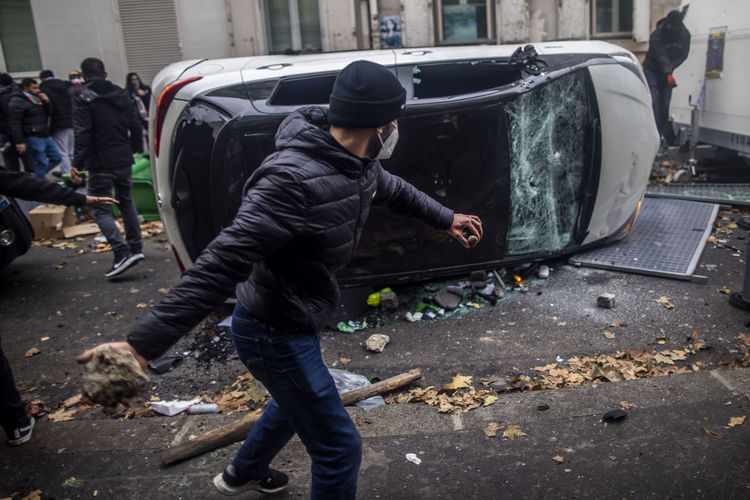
point(32, 352)
point(665, 302)
point(413, 458)
point(513, 431)
point(377, 342)
point(492, 428)
point(606, 300)
point(165, 364)
point(614, 415)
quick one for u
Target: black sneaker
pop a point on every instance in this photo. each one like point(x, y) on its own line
point(21, 434)
point(123, 264)
point(229, 483)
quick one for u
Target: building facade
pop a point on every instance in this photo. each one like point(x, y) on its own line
point(146, 35)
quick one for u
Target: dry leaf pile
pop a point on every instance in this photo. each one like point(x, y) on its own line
point(239, 396)
point(458, 396)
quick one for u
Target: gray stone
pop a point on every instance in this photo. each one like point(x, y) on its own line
point(478, 276)
point(606, 300)
point(377, 342)
point(447, 300)
point(111, 376)
point(388, 300)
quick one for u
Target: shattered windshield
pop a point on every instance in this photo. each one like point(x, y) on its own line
point(547, 141)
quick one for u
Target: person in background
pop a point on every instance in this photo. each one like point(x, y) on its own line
point(105, 121)
point(140, 94)
point(668, 47)
point(28, 116)
point(61, 123)
point(14, 417)
point(10, 153)
point(75, 78)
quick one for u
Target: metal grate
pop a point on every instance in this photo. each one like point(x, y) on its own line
point(727, 194)
point(667, 240)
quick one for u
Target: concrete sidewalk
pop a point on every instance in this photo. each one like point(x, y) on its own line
point(661, 450)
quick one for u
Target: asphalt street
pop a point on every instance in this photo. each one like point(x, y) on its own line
point(676, 441)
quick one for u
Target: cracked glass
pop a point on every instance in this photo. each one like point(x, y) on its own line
point(547, 141)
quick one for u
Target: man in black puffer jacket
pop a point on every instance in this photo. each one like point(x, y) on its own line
point(10, 153)
point(28, 116)
point(106, 126)
point(300, 220)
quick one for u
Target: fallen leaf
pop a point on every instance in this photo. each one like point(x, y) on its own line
point(459, 381)
point(660, 358)
point(734, 421)
point(489, 399)
point(513, 431)
point(33, 495)
point(345, 361)
point(609, 335)
point(72, 401)
point(626, 406)
point(745, 337)
point(558, 459)
point(710, 432)
point(713, 240)
point(32, 352)
point(725, 290)
point(511, 323)
point(141, 305)
point(63, 414)
point(44, 339)
point(665, 302)
point(492, 428)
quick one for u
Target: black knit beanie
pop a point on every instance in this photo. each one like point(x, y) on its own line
point(365, 95)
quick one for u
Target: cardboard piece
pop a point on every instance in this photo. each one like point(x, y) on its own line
point(48, 221)
point(58, 221)
point(80, 229)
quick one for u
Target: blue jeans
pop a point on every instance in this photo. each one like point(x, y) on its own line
point(44, 154)
point(101, 183)
point(305, 401)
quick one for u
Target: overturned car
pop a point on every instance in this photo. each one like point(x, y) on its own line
point(550, 145)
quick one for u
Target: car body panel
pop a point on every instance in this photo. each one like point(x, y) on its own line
point(465, 139)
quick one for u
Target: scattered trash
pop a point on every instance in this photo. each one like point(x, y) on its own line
point(377, 342)
point(665, 302)
point(374, 299)
point(112, 375)
point(347, 381)
point(32, 352)
point(606, 300)
point(558, 459)
point(202, 408)
point(166, 364)
point(171, 408)
point(734, 421)
point(411, 318)
point(227, 322)
point(413, 458)
point(388, 300)
point(351, 326)
point(609, 335)
point(614, 415)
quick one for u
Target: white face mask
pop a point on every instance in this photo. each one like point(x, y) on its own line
point(387, 146)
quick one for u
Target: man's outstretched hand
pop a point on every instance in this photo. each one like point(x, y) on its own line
point(86, 355)
point(462, 222)
point(95, 201)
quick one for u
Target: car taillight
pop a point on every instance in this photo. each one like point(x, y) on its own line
point(162, 105)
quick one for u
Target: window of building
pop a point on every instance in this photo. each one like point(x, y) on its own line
point(464, 20)
point(293, 26)
point(18, 44)
point(611, 18)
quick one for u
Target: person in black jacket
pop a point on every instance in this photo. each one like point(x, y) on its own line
point(10, 153)
point(14, 418)
point(668, 47)
point(61, 123)
point(28, 116)
point(140, 94)
point(300, 220)
point(105, 122)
